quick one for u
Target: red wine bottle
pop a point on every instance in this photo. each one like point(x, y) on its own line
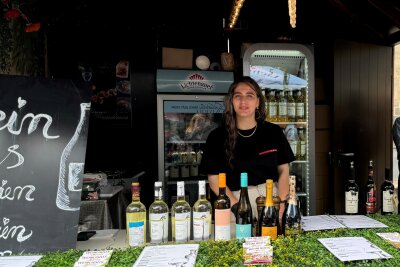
point(370, 191)
point(351, 193)
point(387, 189)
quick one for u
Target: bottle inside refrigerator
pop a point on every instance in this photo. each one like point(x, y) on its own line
point(190, 104)
point(285, 72)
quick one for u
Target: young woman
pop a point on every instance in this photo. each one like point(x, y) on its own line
point(247, 143)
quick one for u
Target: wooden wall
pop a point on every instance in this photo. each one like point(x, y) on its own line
point(362, 113)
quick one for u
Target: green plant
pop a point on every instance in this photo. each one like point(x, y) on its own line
point(21, 43)
point(303, 250)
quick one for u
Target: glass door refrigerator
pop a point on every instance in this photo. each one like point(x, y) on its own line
point(285, 72)
point(190, 104)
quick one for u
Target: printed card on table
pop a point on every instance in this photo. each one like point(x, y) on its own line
point(393, 238)
point(94, 258)
point(257, 250)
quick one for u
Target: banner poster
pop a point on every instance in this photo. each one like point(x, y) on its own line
point(111, 94)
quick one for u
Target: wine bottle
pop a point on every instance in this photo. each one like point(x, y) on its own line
point(351, 193)
point(300, 106)
point(370, 191)
point(291, 107)
point(291, 219)
point(202, 212)
point(272, 107)
point(387, 189)
point(158, 216)
point(244, 214)
point(269, 220)
point(180, 216)
point(136, 218)
point(222, 209)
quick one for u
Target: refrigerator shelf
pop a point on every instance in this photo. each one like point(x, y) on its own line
point(185, 142)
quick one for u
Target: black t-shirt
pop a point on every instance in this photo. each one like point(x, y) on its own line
point(258, 155)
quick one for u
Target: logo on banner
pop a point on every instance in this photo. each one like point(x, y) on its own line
point(197, 81)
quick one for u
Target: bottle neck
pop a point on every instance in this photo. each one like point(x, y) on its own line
point(292, 193)
point(158, 193)
point(135, 195)
point(352, 177)
point(244, 192)
point(268, 201)
point(202, 192)
point(180, 194)
point(222, 191)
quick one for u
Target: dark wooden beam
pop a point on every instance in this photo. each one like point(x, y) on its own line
point(344, 9)
point(389, 10)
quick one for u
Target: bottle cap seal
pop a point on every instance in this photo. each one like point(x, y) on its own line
point(243, 179)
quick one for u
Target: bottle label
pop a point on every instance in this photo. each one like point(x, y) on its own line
point(295, 229)
point(201, 225)
point(300, 110)
point(351, 202)
point(371, 196)
point(136, 233)
point(243, 231)
point(282, 107)
point(387, 201)
point(182, 227)
point(291, 110)
point(370, 207)
point(303, 149)
point(158, 227)
point(222, 224)
point(272, 109)
point(270, 231)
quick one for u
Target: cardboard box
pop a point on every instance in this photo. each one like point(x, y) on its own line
point(177, 58)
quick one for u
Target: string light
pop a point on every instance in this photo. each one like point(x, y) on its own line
point(236, 6)
point(292, 12)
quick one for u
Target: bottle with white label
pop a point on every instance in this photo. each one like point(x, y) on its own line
point(136, 219)
point(158, 216)
point(222, 209)
point(180, 216)
point(202, 212)
point(387, 189)
point(351, 193)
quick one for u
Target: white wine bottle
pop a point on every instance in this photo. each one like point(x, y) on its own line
point(269, 220)
point(222, 209)
point(158, 216)
point(291, 219)
point(244, 214)
point(136, 219)
point(180, 216)
point(202, 212)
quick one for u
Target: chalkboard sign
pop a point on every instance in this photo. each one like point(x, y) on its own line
point(43, 132)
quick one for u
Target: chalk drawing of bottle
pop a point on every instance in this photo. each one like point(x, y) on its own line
point(70, 177)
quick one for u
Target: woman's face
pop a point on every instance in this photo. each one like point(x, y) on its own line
point(245, 101)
